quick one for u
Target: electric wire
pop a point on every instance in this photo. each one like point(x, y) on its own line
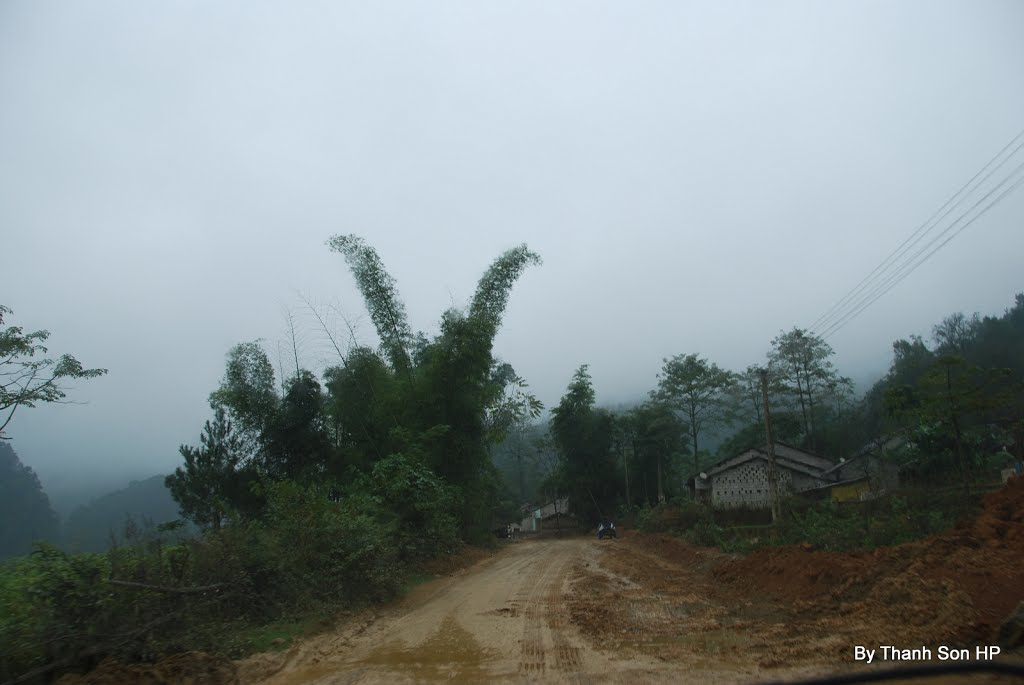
point(922, 230)
point(918, 234)
point(910, 266)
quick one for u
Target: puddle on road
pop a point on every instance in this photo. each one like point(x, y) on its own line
point(450, 654)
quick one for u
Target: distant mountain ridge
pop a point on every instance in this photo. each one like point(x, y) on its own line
point(90, 527)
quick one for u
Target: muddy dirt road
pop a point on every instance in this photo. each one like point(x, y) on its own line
point(526, 614)
point(504, 619)
point(655, 609)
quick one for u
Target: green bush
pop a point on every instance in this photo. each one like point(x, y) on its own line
point(706, 533)
point(664, 518)
point(825, 527)
point(423, 503)
point(866, 525)
point(321, 550)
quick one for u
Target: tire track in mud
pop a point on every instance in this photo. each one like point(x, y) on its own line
point(544, 644)
point(533, 657)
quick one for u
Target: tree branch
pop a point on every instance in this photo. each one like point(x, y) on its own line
point(163, 588)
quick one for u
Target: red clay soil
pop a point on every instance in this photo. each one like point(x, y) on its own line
point(958, 585)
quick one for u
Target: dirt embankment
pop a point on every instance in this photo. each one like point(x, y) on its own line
point(957, 586)
point(792, 608)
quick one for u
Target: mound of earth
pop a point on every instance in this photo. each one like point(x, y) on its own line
point(958, 585)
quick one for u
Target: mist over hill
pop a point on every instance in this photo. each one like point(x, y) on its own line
point(91, 527)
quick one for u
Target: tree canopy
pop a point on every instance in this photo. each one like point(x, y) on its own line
point(27, 378)
point(435, 404)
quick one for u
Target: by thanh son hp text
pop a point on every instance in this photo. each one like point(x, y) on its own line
point(940, 653)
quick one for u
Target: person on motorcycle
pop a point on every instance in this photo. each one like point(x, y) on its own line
point(605, 529)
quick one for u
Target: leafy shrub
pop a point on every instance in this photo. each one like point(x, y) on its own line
point(309, 551)
point(424, 504)
point(672, 517)
point(320, 548)
point(825, 527)
point(706, 533)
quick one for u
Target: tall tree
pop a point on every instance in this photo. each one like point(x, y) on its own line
point(658, 446)
point(956, 333)
point(700, 390)
point(206, 487)
point(583, 436)
point(799, 364)
point(25, 378)
point(249, 393)
point(495, 286)
point(455, 393)
point(362, 405)
point(298, 439)
point(953, 408)
point(387, 311)
point(747, 394)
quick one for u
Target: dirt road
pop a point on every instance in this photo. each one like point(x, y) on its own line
point(654, 609)
point(519, 616)
point(504, 619)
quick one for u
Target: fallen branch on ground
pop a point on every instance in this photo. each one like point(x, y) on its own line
point(164, 588)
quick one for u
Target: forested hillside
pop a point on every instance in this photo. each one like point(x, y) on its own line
point(25, 512)
point(144, 503)
point(959, 400)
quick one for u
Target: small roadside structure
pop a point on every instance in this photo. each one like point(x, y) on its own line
point(554, 514)
point(865, 475)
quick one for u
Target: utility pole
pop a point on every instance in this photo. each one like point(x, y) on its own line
point(625, 470)
point(773, 475)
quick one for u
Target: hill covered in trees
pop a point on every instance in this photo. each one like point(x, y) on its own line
point(25, 511)
point(92, 527)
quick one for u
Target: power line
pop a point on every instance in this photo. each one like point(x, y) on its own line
point(918, 234)
point(920, 231)
point(905, 271)
point(901, 273)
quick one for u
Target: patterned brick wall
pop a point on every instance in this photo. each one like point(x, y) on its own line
point(746, 485)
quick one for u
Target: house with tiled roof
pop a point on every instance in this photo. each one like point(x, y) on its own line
point(742, 480)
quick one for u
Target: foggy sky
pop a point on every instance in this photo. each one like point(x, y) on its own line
point(697, 177)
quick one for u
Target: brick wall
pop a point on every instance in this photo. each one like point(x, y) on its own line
point(746, 485)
